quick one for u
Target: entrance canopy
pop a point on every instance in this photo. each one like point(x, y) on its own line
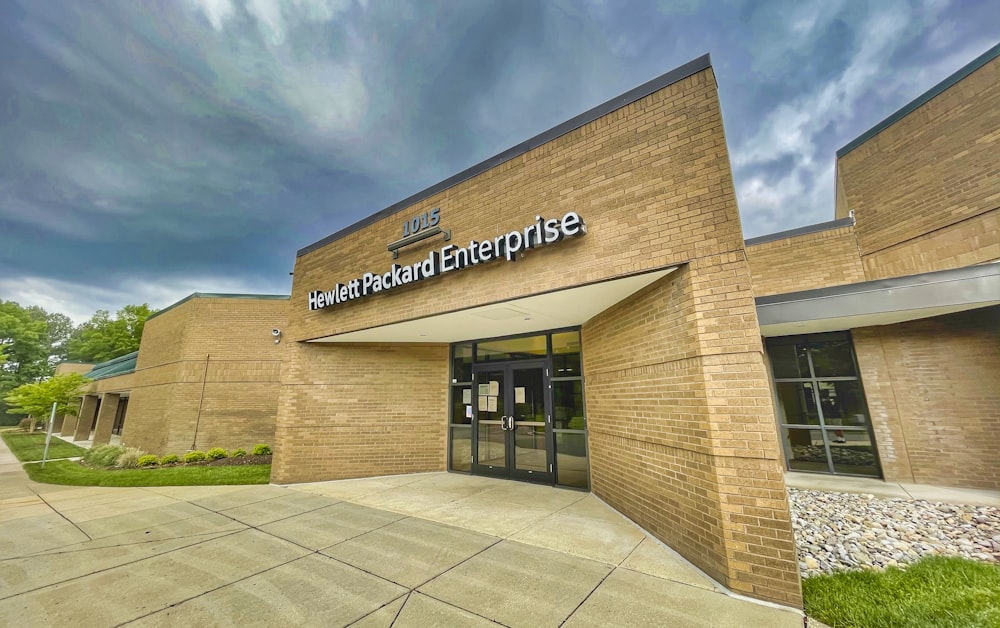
point(550, 310)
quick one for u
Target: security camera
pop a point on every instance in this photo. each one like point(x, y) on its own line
point(275, 332)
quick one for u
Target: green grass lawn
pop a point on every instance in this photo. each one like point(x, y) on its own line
point(30, 446)
point(75, 474)
point(935, 592)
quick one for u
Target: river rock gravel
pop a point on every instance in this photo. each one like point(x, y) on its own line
point(837, 532)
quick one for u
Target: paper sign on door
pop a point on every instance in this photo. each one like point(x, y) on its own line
point(519, 394)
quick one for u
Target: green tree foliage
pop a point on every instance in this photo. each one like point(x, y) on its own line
point(103, 338)
point(23, 346)
point(36, 399)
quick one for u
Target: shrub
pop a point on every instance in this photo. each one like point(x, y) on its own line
point(170, 459)
point(262, 450)
point(238, 453)
point(103, 455)
point(217, 453)
point(148, 460)
point(129, 459)
point(195, 456)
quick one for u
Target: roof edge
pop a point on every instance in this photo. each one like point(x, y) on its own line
point(214, 295)
point(694, 66)
point(922, 99)
point(799, 231)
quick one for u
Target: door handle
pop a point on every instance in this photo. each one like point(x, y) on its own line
point(503, 422)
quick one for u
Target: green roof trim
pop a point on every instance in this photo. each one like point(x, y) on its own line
point(922, 99)
point(213, 295)
point(122, 365)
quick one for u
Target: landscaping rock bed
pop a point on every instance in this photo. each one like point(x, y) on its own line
point(837, 532)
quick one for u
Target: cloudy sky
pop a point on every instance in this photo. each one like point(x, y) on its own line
point(153, 149)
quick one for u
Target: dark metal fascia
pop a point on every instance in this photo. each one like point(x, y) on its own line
point(691, 67)
point(922, 99)
point(798, 231)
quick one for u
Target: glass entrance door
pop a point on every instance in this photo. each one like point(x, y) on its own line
point(512, 423)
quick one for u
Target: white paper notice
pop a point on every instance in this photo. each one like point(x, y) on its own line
point(467, 396)
point(519, 394)
point(484, 403)
point(495, 389)
point(484, 389)
point(491, 405)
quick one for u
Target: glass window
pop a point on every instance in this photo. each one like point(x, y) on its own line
point(797, 403)
point(461, 363)
point(805, 450)
point(571, 459)
point(526, 348)
point(852, 452)
point(832, 358)
point(789, 359)
point(842, 403)
point(566, 354)
point(461, 401)
point(461, 448)
point(567, 397)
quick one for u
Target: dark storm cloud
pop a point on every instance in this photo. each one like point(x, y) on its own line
point(151, 150)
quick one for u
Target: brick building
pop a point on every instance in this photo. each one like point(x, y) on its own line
point(206, 375)
point(582, 310)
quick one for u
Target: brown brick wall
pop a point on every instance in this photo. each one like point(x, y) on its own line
point(946, 402)
point(805, 262)
point(232, 402)
point(652, 180)
point(972, 241)
point(681, 426)
point(353, 411)
point(934, 168)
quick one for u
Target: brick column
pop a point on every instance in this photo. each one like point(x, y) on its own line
point(57, 423)
point(106, 418)
point(69, 425)
point(86, 417)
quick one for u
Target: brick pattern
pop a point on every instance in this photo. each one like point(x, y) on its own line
point(806, 262)
point(944, 374)
point(880, 393)
point(652, 180)
point(353, 411)
point(972, 241)
point(180, 400)
point(675, 379)
point(88, 410)
point(934, 168)
point(681, 426)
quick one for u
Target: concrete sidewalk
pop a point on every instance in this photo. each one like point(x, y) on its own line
point(419, 550)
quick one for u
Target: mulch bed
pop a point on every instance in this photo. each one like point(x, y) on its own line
point(228, 462)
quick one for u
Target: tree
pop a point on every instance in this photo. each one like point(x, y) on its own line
point(103, 338)
point(23, 344)
point(36, 399)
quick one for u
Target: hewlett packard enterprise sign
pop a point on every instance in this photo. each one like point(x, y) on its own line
point(450, 258)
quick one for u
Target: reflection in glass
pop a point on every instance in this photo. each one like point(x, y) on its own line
point(805, 450)
point(566, 354)
point(461, 448)
point(527, 348)
point(571, 459)
point(492, 445)
point(797, 403)
point(852, 452)
point(461, 363)
point(459, 414)
point(568, 410)
point(832, 357)
point(529, 448)
point(529, 385)
point(842, 403)
point(788, 358)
